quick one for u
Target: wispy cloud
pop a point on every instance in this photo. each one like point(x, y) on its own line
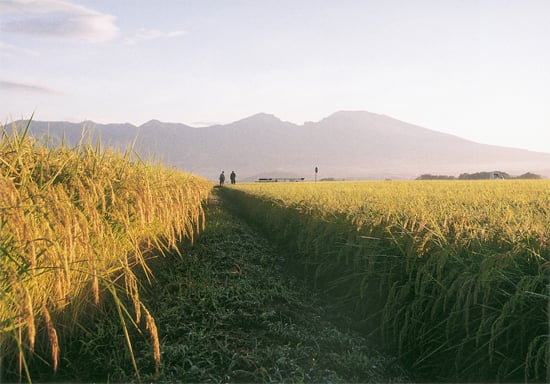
point(61, 19)
point(23, 87)
point(8, 50)
point(152, 34)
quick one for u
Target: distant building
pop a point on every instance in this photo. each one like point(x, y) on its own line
point(279, 179)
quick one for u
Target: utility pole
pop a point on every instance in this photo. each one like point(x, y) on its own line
point(316, 170)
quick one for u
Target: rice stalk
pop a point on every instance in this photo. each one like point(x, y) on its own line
point(74, 223)
point(457, 270)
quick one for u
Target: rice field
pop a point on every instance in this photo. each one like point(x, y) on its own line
point(77, 225)
point(452, 275)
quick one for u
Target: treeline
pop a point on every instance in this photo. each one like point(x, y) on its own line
point(479, 176)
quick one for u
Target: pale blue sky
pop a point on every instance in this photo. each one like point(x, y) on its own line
point(475, 69)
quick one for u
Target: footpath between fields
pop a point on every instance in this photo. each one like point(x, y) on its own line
point(228, 311)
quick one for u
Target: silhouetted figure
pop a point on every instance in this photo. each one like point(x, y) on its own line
point(232, 177)
point(222, 179)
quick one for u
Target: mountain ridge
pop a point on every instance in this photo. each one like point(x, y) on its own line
point(344, 145)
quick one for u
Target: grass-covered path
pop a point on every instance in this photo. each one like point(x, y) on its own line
point(228, 311)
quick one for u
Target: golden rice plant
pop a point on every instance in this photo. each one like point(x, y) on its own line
point(454, 274)
point(77, 225)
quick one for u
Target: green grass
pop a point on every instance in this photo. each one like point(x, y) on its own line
point(229, 311)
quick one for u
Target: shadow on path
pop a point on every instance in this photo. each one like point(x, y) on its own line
point(227, 311)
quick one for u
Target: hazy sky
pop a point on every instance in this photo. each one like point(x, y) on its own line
point(479, 69)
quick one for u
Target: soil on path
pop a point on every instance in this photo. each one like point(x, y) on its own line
point(227, 311)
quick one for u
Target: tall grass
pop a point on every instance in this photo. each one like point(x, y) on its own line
point(77, 225)
point(453, 275)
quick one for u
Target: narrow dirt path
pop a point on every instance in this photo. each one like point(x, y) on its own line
point(227, 311)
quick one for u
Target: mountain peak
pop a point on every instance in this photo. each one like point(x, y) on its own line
point(151, 123)
point(260, 118)
point(346, 144)
point(352, 115)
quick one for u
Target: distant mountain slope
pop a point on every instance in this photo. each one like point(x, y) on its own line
point(346, 144)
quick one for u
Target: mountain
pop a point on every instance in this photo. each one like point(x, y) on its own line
point(346, 144)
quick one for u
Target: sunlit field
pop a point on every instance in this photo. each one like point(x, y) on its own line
point(453, 275)
point(77, 227)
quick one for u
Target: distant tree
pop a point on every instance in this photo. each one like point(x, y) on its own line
point(479, 176)
point(435, 177)
point(484, 175)
point(529, 175)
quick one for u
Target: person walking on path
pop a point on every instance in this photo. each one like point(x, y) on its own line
point(233, 176)
point(222, 179)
